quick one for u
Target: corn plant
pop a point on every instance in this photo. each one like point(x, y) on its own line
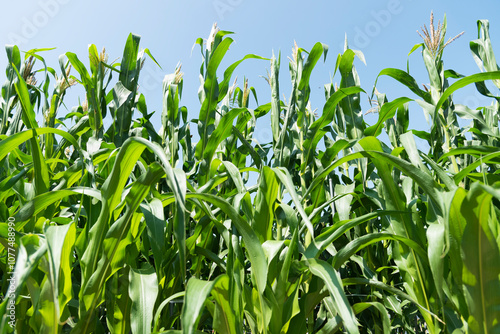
point(135, 228)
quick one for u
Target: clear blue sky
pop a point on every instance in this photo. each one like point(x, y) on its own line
point(384, 31)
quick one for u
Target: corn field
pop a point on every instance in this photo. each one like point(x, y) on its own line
point(193, 225)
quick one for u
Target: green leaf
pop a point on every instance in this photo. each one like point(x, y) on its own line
point(407, 80)
point(286, 180)
point(57, 290)
point(478, 77)
point(339, 229)
point(482, 49)
point(361, 242)
point(481, 268)
point(80, 68)
point(146, 51)
point(162, 306)
point(225, 321)
point(93, 275)
point(41, 202)
point(211, 89)
point(29, 117)
point(332, 151)
point(254, 248)
point(125, 91)
point(386, 322)
point(414, 266)
point(436, 250)
point(179, 184)
point(457, 223)
point(264, 204)
point(382, 286)
point(128, 67)
point(31, 250)
point(315, 131)
point(387, 111)
point(42, 181)
point(255, 156)
point(223, 87)
point(118, 302)
point(113, 255)
point(332, 281)
point(143, 291)
point(156, 226)
point(13, 141)
point(197, 292)
point(275, 98)
point(312, 59)
point(424, 180)
point(223, 130)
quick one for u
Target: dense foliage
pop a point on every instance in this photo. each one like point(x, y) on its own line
point(324, 229)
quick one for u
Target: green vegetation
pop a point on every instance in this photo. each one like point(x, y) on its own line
point(129, 229)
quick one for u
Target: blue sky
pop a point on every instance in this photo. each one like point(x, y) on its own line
point(385, 31)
